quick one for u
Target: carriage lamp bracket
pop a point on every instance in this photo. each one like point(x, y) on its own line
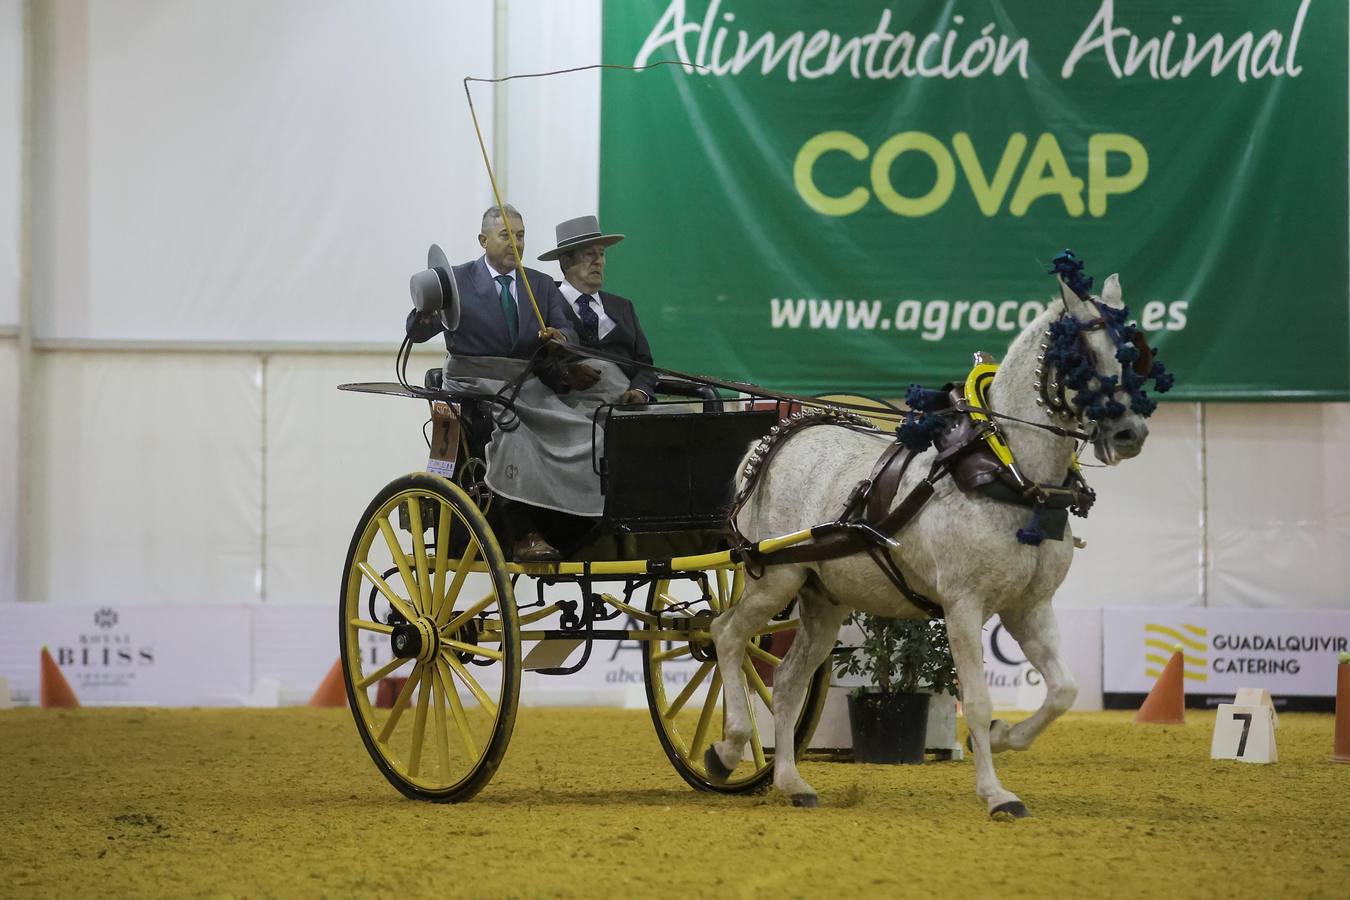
point(430, 515)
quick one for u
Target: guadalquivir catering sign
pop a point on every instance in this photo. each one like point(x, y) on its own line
point(1293, 653)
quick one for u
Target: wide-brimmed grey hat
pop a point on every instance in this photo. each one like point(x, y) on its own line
point(434, 289)
point(579, 232)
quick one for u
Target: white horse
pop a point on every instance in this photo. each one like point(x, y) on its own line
point(961, 551)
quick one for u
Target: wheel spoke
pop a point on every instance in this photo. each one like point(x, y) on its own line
point(662, 598)
point(678, 703)
point(381, 672)
point(458, 621)
point(397, 602)
point(400, 704)
point(705, 719)
point(445, 523)
point(457, 708)
point(761, 654)
point(676, 653)
point(476, 650)
point(471, 683)
point(420, 553)
point(461, 572)
point(371, 626)
point(442, 734)
point(775, 627)
point(420, 722)
point(400, 560)
point(756, 746)
point(753, 679)
point(719, 599)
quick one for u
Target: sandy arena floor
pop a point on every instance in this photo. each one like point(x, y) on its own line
point(132, 802)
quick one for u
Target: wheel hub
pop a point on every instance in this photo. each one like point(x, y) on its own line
point(415, 640)
point(702, 648)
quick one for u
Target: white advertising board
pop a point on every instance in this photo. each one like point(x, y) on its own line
point(131, 655)
point(1291, 653)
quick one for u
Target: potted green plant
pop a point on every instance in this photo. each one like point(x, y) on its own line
point(906, 661)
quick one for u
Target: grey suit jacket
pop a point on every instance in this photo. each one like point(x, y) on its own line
point(482, 322)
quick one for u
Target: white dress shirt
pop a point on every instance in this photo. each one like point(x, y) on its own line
point(606, 324)
point(493, 273)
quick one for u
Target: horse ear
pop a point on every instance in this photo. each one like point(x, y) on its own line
point(1073, 304)
point(1111, 292)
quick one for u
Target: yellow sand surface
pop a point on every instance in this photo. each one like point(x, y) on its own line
point(286, 803)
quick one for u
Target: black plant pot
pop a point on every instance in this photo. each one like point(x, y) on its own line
point(888, 728)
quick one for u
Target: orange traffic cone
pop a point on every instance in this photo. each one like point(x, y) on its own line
point(331, 692)
point(55, 690)
point(1166, 703)
point(1342, 751)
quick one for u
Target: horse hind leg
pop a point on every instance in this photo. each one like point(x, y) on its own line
point(820, 620)
point(731, 631)
point(1037, 632)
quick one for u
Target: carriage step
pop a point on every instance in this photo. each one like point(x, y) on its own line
point(549, 654)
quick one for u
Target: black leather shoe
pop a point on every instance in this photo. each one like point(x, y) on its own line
point(533, 548)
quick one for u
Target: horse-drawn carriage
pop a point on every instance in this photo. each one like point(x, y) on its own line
point(431, 616)
point(428, 596)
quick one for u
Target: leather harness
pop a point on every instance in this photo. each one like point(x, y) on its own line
point(967, 450)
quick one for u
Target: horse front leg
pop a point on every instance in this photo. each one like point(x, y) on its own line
point(1037, 632)
point(731, 632)
point(964, 623)
point(820, 622)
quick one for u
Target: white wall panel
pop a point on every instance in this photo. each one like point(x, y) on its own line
point(553, 141)
point(11, 154)
point(328, 453)
point(1143, 535)
point(251, 170)
point(9, 486)
point(148, 487)
point(1279, 505)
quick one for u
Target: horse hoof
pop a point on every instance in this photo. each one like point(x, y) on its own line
point(717, 771)
point(1013, 809)
point(970, 748)
point(805, 801)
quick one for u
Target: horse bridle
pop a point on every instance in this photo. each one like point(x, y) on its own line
point(1050, 382)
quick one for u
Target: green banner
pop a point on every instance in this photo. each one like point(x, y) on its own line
point(854, 197)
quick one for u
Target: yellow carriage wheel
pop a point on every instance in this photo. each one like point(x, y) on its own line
point(430, 640)
point(684, 688)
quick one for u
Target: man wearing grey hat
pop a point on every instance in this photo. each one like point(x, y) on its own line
point(497, 325)
point(496, 317)
point(603, 320)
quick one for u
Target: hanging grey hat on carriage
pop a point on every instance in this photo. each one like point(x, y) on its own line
point(434, 289)
point(579, 232)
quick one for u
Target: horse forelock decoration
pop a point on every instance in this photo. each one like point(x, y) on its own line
point(1076, 373)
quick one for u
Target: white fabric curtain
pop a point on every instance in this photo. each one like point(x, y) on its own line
point(553, 137)
point(328, 453)
point(272, 172)
point(1143, 534)
point(149, 478)
point(251, 171)
point(9, 485)
point(11, 150)
point(1279, 505)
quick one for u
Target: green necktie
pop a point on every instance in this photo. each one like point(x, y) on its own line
point(509, 307)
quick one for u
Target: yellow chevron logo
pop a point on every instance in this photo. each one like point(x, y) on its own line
point(1165, 640)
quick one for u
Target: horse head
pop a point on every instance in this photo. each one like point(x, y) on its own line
point(1095, 367)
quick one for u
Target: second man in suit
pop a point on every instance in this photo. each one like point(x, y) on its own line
point(603, 320)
